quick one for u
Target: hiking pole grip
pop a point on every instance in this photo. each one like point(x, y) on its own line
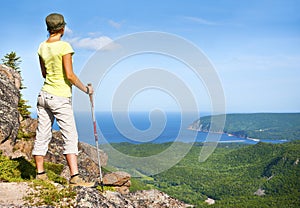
point(92, 104)
point(91, 95)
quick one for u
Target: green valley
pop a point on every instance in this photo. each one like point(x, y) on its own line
point(235, 175)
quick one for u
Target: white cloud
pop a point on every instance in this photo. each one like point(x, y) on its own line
point(199, 20)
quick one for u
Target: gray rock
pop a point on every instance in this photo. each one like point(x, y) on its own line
point(88, 197)
point(9, 93)
point(118, 178)
point(87, 161)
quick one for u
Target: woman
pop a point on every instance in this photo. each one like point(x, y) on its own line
point(54, 100)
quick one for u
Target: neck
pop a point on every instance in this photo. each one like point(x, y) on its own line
point(54, 37)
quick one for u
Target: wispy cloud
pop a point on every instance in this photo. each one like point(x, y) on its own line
point(263, 63)
point(115, 24)
point(91, 43)
point(199, 20)
point(68, 31)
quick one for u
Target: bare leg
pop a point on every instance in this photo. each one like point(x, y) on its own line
point(72, 162)
point(39, 161)
point(76, 180)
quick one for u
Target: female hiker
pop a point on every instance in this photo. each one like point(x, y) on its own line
point(54, 99)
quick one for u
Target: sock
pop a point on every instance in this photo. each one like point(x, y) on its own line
point(74, 175)
point(41, 173)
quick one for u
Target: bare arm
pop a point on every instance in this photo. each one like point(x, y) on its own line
point(71, 76)
point(42, 65)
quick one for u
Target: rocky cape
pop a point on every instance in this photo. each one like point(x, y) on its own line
point(257, 126)
point(16, 141)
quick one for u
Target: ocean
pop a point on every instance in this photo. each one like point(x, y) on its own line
point(142, 127)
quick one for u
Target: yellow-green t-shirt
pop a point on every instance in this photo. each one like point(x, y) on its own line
point(56, 81)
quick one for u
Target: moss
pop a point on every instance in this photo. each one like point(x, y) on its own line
point(56, 177)
point(23, 135)
point(56, 168)
point(19, 169)
point(8, 170)
point(26, 168)
point(46, 193)
point(105, 188)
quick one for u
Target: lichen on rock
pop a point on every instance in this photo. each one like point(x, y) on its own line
point(9, 92)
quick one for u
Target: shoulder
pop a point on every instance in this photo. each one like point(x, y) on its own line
point(41, 46)
point(66, 47)
point(65, 43)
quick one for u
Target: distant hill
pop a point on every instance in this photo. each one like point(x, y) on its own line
point(276, 126)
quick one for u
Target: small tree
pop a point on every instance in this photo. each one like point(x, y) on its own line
point(13, 61)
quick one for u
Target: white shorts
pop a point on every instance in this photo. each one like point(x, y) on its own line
point(49, 107)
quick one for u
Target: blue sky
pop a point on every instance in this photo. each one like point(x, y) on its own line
point(253, 45)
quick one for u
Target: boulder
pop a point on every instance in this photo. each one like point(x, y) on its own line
point(119, 180)
point(10, 82)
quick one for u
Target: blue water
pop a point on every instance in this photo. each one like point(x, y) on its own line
point(147, 128)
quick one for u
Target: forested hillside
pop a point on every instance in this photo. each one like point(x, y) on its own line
point(261, 175)
point(277, 126)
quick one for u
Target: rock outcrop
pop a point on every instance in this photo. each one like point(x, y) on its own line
point(10, 82)
point(87, 158)
point(11, 124)
point(89, 198)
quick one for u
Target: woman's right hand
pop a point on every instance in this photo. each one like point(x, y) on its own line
point(89, 89)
